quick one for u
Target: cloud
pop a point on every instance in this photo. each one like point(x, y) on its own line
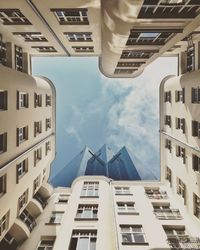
point(72, 132)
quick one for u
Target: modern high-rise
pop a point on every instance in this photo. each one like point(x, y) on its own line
point(119, 166)
point(126, 35)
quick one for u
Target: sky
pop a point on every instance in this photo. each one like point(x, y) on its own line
point(92, 110)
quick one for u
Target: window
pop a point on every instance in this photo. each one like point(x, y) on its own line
point(79, 36)
point(37, 156)
point(2, 185)
point(133, 234)
point(196, 95)
point(137, 54)
point(180, 124)
point(22, 201)
point(22, 100)
point(48, 123)
point(44, 49)
point(55, 218)
point(190, 58)
point(180, 95)
point(90, 189)
point(122, 191)
point(181, 189)
point(196, 163)
point(196, 129)
point(83, 49)
point(22, 168)
point(36, 184)
point(3, 52)
point(129, 64)
point(3, 100)
point(174, 230)
point(22, 135)
point(71, 16)
point(167, 96)
point(18, 58)
point(168, 175)
point(4, 222)
point(63, 198)
point(155, 193)
point(31, 36)
point(28, 219)
point(83, 239)
point(47, 147)
point(196, 205)
point(126, 207)
point(124, 71)
point(87, 212)
point(180, 152)
point(48, 100)
point(164, 212)
point(168, 145)
point(46, 244)
point(38, 100)
point(3, 143)
point(37, 128)
point(13, 17)
point(168, 120)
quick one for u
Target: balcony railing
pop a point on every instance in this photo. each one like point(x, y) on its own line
point(28, 219)
point(157, 195)
point(184, 242)
point(40, 199)
point(167, 214)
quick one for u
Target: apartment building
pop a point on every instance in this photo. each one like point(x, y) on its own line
point(27, 148)
point(126, 36)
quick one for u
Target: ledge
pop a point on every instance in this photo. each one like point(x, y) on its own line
point(128, 213)
point(89, 196)
point(86, 219)
point(135, 244)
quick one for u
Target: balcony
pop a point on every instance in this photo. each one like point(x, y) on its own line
point(28, 219)
point(156, 194)
point(183, 242)
point(40, 199)
point(167, 214)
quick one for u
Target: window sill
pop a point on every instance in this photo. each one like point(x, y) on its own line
point(52, 224)
point(136, 243)
point(89, 196)
point(86, 219)
point(123, 194)
point(128, 213)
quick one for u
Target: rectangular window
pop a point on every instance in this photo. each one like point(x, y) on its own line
point(22, 169)
point(18, 58)
point(167, 96)
point(122, 191)
point(79, 36)
point(155, 193)
point(3, 143)
point(28, 219)
point(180, 152)
point(168, 175)
point(36, 184)
point(191, 58)
point(180, 124)
point(31, 36)
point(196, 205)
point(145, 54)
point(87, 212)
point(22, 135)
point(48, 123)
point(3, 52)
point(3, 179)
point(83, 49)
point(3, 100)
point(124, 71)
point(55, 218)
point(165, 212)
point(90, 189)
point(13, 17)
point(168, 145)
point(71, 16)
point(44, 49)
point(180, 95)
point(22, 100)
point(181, 189)
point(126, 207)
point(48, 100)
point(47, 147)
point(37, 156)
point(46, 244)
point(63, 198)
point(196, 129)
point(22, 201)
point(196, 95)
point(83, 240)
point(4, 222)
point(133, 234)
point(37, 128)
point(196, 163)
point(168, 120)
point(38, 100)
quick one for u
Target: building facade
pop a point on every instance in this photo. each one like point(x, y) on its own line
point(126, 36)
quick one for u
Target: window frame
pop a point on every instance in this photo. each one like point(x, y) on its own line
point(133, 234)
point(3, 100)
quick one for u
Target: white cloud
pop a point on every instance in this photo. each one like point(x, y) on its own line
point(72, 132)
